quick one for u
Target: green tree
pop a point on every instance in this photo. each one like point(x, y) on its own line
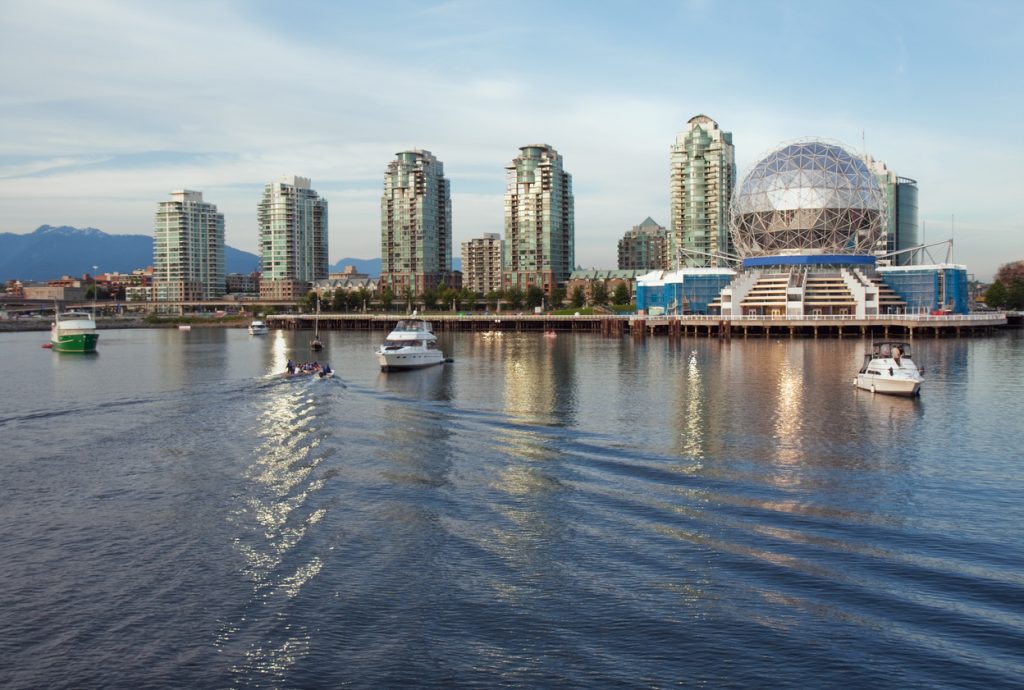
point(557, 297)
point(621, 294)
point(467, 299)
point(387, 298)
point(408, 296)
point(996, 295)
point(1015, 295)
point(429, 299)
point(598, 292)
point(534, 296)
point(446, 297)
point(579, 297)
point(340, 300)
point(308, 301)
point(514, 297)
point(493, 298)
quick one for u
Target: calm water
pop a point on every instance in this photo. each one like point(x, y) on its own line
point(543, 512)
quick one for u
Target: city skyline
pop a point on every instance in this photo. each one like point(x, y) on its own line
point(95, 138)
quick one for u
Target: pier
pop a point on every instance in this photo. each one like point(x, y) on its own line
point(640, 326)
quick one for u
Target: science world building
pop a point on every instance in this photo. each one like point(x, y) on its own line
point(805, 220)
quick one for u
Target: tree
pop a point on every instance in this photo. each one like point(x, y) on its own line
point(429, 299)
point(308, 301)
point(467, 299)
point(407, 295)
point(996, 295)
point(621, 294)
point(340, 300)
point(1007, 273)
point(598, 293)
point(514, 297)
point(579, 297)
point(1015, 294)
point(387, 298)
point(493, 298)
point(446, 296)
point(534, 296)
point(557, 297)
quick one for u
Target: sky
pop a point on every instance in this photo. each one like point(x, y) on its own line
point(107, 106)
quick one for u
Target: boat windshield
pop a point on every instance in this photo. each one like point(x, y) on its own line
point(412, 326)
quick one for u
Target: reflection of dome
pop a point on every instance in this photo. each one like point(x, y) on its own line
point(808, 197)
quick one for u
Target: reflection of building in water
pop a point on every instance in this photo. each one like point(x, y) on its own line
point(539, 378)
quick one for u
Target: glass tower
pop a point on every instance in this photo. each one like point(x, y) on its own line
point(415, 224)
point(539, 220)
point(293, 238)
point(188, 249)
point(703, 174)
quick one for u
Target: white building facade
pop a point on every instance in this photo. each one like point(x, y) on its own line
point(188, 249)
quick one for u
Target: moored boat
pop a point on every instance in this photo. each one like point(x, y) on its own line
point(410, 345)
point(889, 369)
point(258, 327)
point(73, 331)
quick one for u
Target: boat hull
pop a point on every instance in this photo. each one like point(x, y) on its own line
point(398, 360)
point(74, 342)
point(889, 386)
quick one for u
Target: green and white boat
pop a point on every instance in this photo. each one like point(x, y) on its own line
point(74, 331)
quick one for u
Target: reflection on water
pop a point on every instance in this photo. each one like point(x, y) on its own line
point(575, 511)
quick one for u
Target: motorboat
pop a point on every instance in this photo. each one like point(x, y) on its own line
point(410, 345)
point(313, 369)
point(888, 368)
point(258, 327)
point(73, 331)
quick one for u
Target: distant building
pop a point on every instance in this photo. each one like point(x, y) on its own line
point(243, 283)
point(900, 231)
point(539, 220)
point(415, 224)
point(645, 247)
point(482, 263)
point(703, 174)
point(188, 249)
point(585, 279)
point(293, 238)
point(55, 293)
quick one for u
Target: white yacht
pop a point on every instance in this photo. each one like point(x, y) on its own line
point(258, 327)
point(888, 368)
point(410, 345)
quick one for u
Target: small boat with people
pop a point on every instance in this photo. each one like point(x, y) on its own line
point(73, 331)
point(411, 344)
point(889, 369)
point(293, 370)
point(258, 327)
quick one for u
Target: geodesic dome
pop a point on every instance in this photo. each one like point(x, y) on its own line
point(808, 197)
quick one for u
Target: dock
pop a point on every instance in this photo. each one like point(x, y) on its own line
point(696, 325)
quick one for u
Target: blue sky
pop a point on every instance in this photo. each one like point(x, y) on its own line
point(106, 106)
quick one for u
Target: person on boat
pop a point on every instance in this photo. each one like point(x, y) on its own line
point(290, 367)
point(896, 354)
point(326, 370)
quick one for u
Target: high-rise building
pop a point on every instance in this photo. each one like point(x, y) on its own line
point(900, 229)
point(702, 179)
point(539, 220)
point(415, 224)
point(293, 238)
point(645, 247)
point(482, 263)
point(188, 249)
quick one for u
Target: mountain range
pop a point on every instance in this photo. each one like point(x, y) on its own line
point(51, 252)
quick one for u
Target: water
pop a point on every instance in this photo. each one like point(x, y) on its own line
point(543, 512)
